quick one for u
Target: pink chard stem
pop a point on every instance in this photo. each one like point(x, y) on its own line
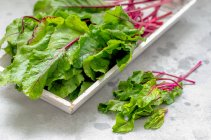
point(71, 43)
point(190, 72)
point(170, 80)
point(171, 75)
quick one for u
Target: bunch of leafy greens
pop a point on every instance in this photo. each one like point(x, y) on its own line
point(140, 96)
point(64, 53)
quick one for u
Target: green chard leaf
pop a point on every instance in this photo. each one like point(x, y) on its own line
point(39, 70)
point(85, 85)
point(135, 85)
point(14, 36)
point(112, 105)
point(123, 124)
point(63, 8)
point(169, 97)
point(156, 120)
point(12, 33)
point(80, 90)
point(143, 112)
point(117, 16)
point(14, 73)
point(63, 88)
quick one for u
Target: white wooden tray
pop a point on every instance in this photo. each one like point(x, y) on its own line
point(179, 7)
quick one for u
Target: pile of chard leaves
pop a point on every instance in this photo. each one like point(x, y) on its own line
point(136, 98)
point(141, 95)
point(66, 50)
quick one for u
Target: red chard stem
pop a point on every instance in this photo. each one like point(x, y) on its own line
point(170, 80)
point(150, 6)
point(167, 74)
point(191, 71)
point(71, 43)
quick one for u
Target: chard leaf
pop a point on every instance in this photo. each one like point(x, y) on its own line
point(117, 16)
point(112, 105)
point(15, 37)
point(126, 94)
point(38, 71)
point(149, 98)
point(12, 33)
point(130, 106)
point(141, 77)
point(75, 23)
point(84, 87)
point(63, 88)
point(64, 71)
point(135, 85)
point(14, 73)
point(80, 90)
point(143, 112)
point(90, 44)
point(156, 120)
point(43, 8)
point(169, 97)
point(123, 124)
point(54, 7)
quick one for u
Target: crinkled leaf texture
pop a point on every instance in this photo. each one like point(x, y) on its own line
point(137, 97)
point(123, 125)
point(41, 58)
point(156, 120)
point(106, 45)
point(60, 8)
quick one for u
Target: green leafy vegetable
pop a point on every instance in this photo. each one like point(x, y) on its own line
point(140, 96)
point(60, 8)
point(123, 124)
point(37, 60)
point(156, 120)
point(65, 54)
point(99, 46)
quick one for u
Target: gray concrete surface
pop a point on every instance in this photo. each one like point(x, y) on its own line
point(189, 118)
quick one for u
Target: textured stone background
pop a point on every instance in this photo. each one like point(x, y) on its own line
point(176, 51)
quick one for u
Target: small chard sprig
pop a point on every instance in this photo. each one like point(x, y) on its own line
point(141, 96)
